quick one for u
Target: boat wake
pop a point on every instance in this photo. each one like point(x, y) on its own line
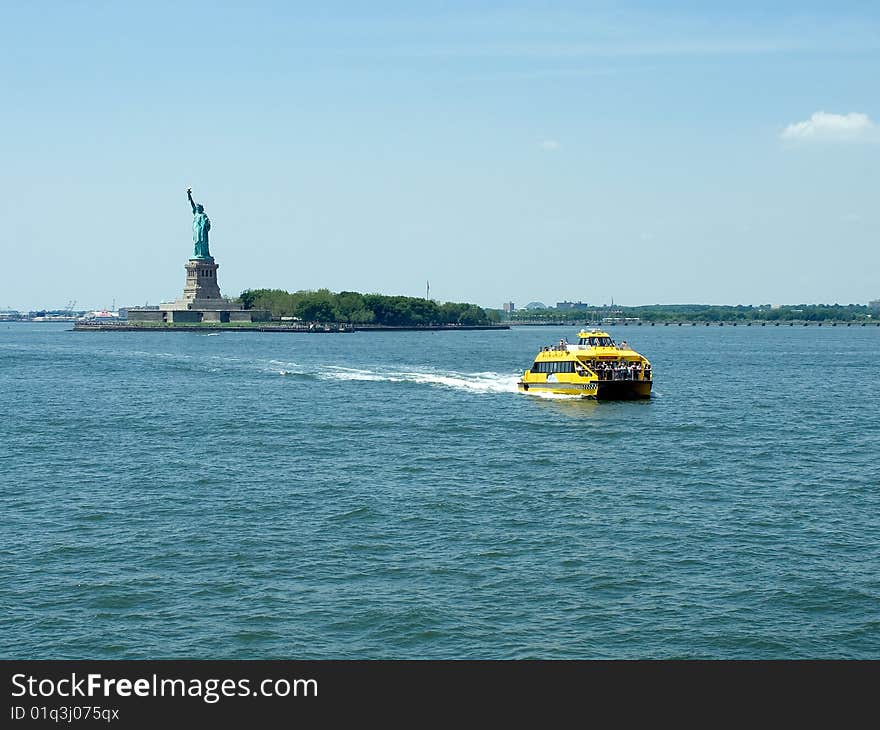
point(481, 382)
point(471, 382)
point(553, 396)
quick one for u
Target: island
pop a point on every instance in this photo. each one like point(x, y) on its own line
point(368, 311)
point(275, 310)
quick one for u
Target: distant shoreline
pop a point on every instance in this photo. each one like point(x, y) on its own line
point(690, 323)
point(302, 329)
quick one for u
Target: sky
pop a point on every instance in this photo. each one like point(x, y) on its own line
point(638, 152)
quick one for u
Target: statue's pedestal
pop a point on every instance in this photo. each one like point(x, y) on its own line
point(201, 293)
point(201, 281)
point(201, 301)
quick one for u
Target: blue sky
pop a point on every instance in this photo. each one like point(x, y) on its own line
point(532, 151)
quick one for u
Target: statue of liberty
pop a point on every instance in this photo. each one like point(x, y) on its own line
point(201, 226)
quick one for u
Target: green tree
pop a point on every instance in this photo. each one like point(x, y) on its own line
point(247, 299)
point(318, 306)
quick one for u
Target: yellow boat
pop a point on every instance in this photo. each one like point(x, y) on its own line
point(596, 367)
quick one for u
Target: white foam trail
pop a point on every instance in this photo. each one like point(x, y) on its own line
point(337, 372)
point(482, 382)
point(554, 396)
point(280, 367)
point(474, 382)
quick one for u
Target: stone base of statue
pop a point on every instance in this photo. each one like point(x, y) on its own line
point(201, 281)
point(201, 301)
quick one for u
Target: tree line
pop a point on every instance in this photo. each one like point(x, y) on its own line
point(350, 307)
point(705, 313)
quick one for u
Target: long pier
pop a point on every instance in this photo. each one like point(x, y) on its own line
point(793, 323)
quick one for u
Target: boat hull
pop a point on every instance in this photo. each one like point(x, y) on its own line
point(624, 389)
point(600, 390)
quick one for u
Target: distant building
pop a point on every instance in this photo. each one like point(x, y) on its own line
point(536, 305)
point(572, 305)
point(508, 307)
point(874, 305)
point(103, 316)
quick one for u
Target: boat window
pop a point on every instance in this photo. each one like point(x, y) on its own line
point(558, 366)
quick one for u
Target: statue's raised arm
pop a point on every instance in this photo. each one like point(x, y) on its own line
point(189, 194)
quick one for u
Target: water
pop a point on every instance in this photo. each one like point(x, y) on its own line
point(249, 495)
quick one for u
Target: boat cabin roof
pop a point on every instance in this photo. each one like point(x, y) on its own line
point(593, 343)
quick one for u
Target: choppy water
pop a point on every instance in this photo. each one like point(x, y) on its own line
point(391, 495)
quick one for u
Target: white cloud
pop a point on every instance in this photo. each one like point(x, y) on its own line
point(833, 127)
point(550, 144)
